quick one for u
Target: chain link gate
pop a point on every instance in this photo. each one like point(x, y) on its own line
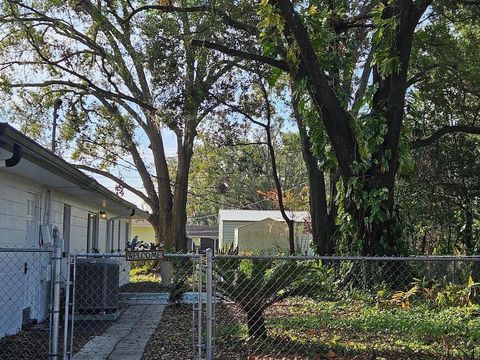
point(109, 301)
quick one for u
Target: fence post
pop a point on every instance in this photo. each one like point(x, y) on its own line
point(55, 307)
point(364, 276)
point(199, 309)
point(209, 312)
point(68, 283)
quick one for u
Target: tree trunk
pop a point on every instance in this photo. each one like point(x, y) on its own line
point(180, 197)
point(256, 323)
point(317, 195)
point(276, 178)
point(317, 191)
point(379, 237)
point(291, 236)
point(165, 234)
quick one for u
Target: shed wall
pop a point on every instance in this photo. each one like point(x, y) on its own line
point(228, 231)
point(264, 237)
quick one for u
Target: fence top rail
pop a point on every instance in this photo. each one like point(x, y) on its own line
point(353, 258)
point(26, 250)
point(122, 255)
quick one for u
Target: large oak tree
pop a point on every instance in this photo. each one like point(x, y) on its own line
point(352, 58)
point(124, 76)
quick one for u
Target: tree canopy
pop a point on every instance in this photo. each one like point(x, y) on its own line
point(384, 96)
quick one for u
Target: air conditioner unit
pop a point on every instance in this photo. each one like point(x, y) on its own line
point(96, 286)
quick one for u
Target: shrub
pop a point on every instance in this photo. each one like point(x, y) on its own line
point(256, 284)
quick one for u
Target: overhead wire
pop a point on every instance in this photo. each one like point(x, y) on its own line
point(175, 185)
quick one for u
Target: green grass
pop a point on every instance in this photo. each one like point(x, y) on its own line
point(137, 278)
point(361, 328)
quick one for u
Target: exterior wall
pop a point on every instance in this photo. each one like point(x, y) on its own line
point(13, 210)
point(271, 237)
point(227, 231)
point(265, 237)
point(14, 194)
point(24, 284)
point(25, 276)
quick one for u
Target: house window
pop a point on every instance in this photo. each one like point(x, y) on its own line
point(67, 216)
point(92, 233)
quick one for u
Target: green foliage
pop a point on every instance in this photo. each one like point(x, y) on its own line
point(143, 268)
point(418, 330)
point(442, 294)
point(440, 198)
point(182, 276)
point(257, 284)
point(178, 290)
point(241, 175)
point(383, 40)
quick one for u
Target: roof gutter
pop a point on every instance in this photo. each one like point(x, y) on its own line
point(15, 159)
point(16, 152)
point(37, 154)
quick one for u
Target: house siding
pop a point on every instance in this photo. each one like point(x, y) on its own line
point(25, 276)
point(13, 215)
point(20, 289)
point(228, 231)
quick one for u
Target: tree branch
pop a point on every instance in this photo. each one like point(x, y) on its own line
point(116, 179)
point(362, 86)
point(242, 144)
point(227, 19)
point(87, 88)
point(132, 148)
point(282, 65)
point(334, 117)
point(444, 131)
point(186, 9)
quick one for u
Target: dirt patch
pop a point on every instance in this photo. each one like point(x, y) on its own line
point(33, 343)
point(174, 339)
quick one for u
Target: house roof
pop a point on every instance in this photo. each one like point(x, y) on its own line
point(44, 167)
point(202, 231)
point(206, 231)
point(258, 215)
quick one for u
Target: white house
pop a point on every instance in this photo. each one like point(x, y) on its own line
point(262, 231)
point(39, 190)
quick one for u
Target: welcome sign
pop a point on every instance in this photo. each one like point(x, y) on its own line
point(137, 250)
point(144, 255)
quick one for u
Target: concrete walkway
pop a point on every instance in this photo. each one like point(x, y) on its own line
point(127, 337)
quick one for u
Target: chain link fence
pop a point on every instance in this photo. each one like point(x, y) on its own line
point(25, 303)
point(238, 307)
point(114, 306)
point(359, 307)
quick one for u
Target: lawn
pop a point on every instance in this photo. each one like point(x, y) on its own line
point(356, 329)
